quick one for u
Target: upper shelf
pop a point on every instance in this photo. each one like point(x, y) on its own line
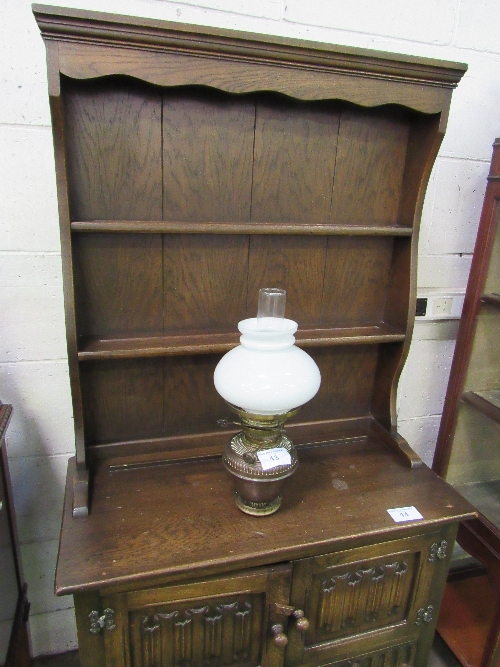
point(213, 342)
point(204, 227)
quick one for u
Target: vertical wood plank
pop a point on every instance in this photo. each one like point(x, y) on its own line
point(205, 281)
point(192, 404)
point(207, 155)
point(117, 641)
point(295, 147)
point(293, 263)
point(113, 132)
point(356, 278)
point(90, 646)
point(347, 374)
point(123, 400)
point(58, 131)
point(110, 299)
point(389, 366)
point(399, 299)
point(369, 169)
point(400, 284)
point(424, 139)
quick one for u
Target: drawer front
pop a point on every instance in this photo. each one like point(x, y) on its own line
point(223, 621)
point(363, 600)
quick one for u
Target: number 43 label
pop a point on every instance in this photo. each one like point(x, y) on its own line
point(272, 458)
point(405, 514)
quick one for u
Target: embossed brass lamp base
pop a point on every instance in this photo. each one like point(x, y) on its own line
point(257, 508)
point(258, 491)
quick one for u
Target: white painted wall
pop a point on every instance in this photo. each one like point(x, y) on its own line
point(33, 365)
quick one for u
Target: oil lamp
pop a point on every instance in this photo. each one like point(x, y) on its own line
point(265, 380)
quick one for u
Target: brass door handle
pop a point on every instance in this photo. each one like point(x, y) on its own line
point(279, 637)
point(301, 622)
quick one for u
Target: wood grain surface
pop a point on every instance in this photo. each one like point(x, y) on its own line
point(180, 519)
point(109, 298)
point(207, 155)
point(113, 132)
point(370, 163)
point(294, 160)
point(205, 284)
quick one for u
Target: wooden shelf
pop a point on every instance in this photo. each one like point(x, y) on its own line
point(466, 614)
point(491, 299)
point(92, 348)
point(485, 496)
point(487, 402)
point(168, 227)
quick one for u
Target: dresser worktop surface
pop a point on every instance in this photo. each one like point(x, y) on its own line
point(165, 521)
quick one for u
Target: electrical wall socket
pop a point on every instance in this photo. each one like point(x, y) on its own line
point(442, 305)
point(433, 305)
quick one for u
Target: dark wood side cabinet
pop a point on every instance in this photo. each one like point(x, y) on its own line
point(14, 606)
point(468, 446)
point(195, 166)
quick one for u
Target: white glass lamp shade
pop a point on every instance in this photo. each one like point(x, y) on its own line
point(267, 374)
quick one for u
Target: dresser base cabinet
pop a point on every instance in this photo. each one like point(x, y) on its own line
point(173, 573)
point(370, 604)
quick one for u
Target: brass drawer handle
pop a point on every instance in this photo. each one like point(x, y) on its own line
point(301, 622)
point(279, 637)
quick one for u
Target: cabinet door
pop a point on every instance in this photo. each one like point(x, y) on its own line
point(216, 622)
point(368, 601)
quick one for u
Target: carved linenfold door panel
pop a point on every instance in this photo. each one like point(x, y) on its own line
point(356, 598)
point(223, 622)
point(213, 634)
point(364, 598)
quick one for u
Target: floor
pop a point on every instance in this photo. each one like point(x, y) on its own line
point(441, 656)
point(62, 660)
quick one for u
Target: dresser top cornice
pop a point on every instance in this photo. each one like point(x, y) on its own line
point(76, 28)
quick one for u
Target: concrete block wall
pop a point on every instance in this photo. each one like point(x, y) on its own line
point(33, 364)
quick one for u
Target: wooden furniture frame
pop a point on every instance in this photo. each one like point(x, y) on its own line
point(13, 588)
point(467, 450)
point(195, 166)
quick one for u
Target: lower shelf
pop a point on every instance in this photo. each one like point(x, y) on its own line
point(487, 402)
point(466, 614)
